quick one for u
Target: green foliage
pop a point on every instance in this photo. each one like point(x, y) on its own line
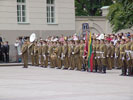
point(90, 7)
point(121, 15)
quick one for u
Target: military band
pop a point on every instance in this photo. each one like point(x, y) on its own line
point(69, 55)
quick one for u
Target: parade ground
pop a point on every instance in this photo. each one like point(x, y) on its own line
point(35, 83)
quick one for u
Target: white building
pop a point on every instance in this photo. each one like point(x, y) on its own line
point(43, 17)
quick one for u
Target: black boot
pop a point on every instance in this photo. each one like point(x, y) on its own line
point(96, 68)
point(104, 69)
point(129, 71)
point(100, 69)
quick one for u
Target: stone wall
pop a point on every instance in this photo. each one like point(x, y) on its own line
point(97, 24)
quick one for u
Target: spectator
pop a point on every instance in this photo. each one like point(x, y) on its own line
point(7, 47)
point(18, 46)
point(2, 51)
point(0, 39)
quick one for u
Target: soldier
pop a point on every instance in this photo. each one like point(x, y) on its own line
point(70, 56)
point(82, 46)
point(76, 54)
point(98, 54)
point(103, 53)
point(122, 57)
point(72, 63)
point(45, 53)
point(128, 57)
point(69, 53)
point(65, 54)
point(40, 52)
point(54, 55)
point(59, 51)
point(131, 54)
point(36, 54)
point(50, 51)
point(111, 58)
point(31, 52)
point(109, 55)
point(94, 57)
point(117, 54)
point(25, 54)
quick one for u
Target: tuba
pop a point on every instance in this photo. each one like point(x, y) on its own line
point(32, 39)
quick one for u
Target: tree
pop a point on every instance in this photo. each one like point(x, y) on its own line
point(121, 15)
point(90, 7)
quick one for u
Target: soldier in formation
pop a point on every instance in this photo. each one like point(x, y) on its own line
point(69, 55)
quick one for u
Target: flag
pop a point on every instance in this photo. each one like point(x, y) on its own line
point(90, 61)
point(86, 45)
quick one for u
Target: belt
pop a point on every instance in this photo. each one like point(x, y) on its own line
point(99, 52)
point(128, 51)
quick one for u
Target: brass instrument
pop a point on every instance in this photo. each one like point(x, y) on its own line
point(54, 54)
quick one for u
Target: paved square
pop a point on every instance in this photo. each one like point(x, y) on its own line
point(36, 83)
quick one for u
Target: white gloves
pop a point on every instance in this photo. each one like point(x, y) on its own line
point(128, 59)
point(116, 57)
point(44, 57)
point(123, 58)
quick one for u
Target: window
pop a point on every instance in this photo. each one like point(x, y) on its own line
point(50, 11)
point(21, 11)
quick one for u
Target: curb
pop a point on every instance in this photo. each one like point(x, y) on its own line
point(11, 64)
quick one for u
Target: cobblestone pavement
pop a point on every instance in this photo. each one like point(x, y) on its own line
point(34, 83)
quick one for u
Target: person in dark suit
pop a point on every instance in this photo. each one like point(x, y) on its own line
point(2, 51)
point(0, 39)
point(6, 47)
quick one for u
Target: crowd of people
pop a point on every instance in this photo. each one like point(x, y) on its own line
point(68, 53)
point(4, 51)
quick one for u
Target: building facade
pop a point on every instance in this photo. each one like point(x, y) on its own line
point(97, 24)
point(43, 17)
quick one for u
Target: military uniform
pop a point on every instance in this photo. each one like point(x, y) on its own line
point(25, 54)
point(103, 54)
point(131, 55)
point(81, 55)
point(36, 55)
point(53, 57)
point(71, 57)
point(94, 57)
point(128, 57)
point(31, 52)
point(65, 56)
point(122, 59)
point(50, 54)
point(59, 51)
point(45, 54)
point(117, 56)
point(41, 57)
point(76, 57)
point(111, 57)
point(98, 55)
